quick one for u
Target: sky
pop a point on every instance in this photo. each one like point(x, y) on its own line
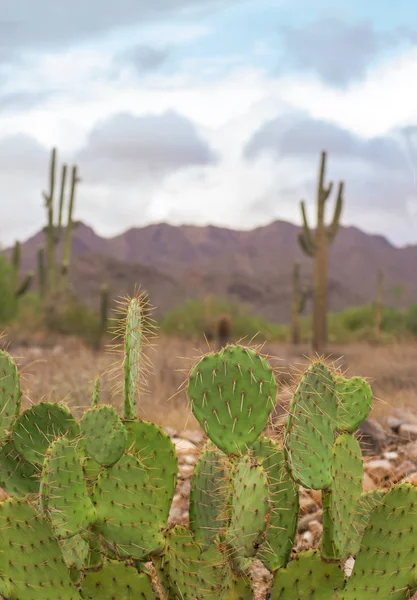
point(209, 112)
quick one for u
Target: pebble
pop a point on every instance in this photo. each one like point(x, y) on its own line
point(404, 469)
point(379, 469)
point(408, 431)
point(390, 455)
point(368, 484)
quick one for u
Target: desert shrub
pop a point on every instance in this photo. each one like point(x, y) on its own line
point(190, 320)
point(411, 319)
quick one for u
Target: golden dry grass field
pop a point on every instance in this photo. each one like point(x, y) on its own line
point(65, 370)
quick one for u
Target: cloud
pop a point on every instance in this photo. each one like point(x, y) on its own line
point(144, 59)
point(338, 52)
point(128, 147)
point(299, 135)
point(23, 100)
point(28, 26)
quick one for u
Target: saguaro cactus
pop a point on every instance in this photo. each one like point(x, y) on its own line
point(20, 286)
point(315, 244)
point(54, 231)
point(299, 299)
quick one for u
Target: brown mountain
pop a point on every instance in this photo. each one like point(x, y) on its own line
point(176, 263)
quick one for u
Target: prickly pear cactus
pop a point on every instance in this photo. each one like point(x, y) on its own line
point(103, 434)
point(340, 500)
point(250, 509)
point(18, 477)
point(132, 355)
point(38, 426)
point(385, 566)
point(284, 505)
point(63, 492)
point(128, 515)
point(367, 502)
point(156, 452)
point(308, 577)
point(117, 580)
point(209, 495)
point(34, 568)
point(232, 393)
point(355, 402)
point(10, 394)
point(310, 428)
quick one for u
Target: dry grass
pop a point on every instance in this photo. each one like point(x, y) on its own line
point(66, 372)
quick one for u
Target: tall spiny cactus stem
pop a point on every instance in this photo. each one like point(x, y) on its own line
point(104, 307)
point(315, 244)
point(20, 288)
point(132, 349)
point(41, 272)
point(50, 234)
point(378, 304)
point(299, 299)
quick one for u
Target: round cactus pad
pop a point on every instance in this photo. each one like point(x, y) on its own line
point(64, 494)
point(310, 428)
point(103, 434)
point(34, 568)
point(40, 425)
point(308, 577)
point(10, 394)
point(17, 475)
point(284, 504)
point(232, 393)
point(117, 580)
point(355, 402)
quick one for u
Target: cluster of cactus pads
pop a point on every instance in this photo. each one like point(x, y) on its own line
point(89, 501)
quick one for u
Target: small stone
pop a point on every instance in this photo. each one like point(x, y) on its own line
point(379, 469)
point(408, 431)
point(411, 479)
point(372, 437)
point(404, 469)
point(186, 471)
point(307, 537)
point(183, 446)
point(171, 432)
point(197, 437)
point(316, 528)
point(394, 423)
point(368, 484)
point(410, 450)
point(189, 459)
point(390, 455)
point(348, 566)
point(304, 522)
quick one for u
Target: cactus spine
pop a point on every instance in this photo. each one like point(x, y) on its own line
point(299, 299)
point(315, 244)
point(378, 304)
point(54, 231)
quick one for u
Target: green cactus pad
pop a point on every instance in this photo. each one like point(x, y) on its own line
point(185, 571)
point(340, 501)
point(232, 393)
point(75, 551)
point(308, 577)
point(35, 568)
point(117, 581)
point(103, 434)
point(5, 588)
point(17, 476)
point(63, 493)
point(129, 516)
point(385, 566)
point(355, 402)
point(156, 452)
point(284, 503)
point(367, 502)
point(209, 495)
point(310, 428)
point(40, 425)
point(249, 509)
point(10, 394)
point(91, 470)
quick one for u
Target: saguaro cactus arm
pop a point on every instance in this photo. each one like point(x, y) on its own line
point(334, 226)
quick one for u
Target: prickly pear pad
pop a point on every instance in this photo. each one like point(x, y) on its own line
point(103, 434)
point(128, 515)
point(63, 493)
point(355, 402)
point(340, 501)
point(75, 551)
point(310, 428)
point(117, 581)
point(17, 476)
point(232, 393)
point(385, 566)
point(209, 495)
point(284, 503)
point(10, 394)
point(249, 508)
point(308, 577)
point(40, 425)
point(156, 452)
point(367, 502)
point(34, 566)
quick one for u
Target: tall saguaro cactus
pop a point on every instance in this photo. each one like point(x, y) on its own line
point(315, 244)
point(378, 306)
point(54, 230)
